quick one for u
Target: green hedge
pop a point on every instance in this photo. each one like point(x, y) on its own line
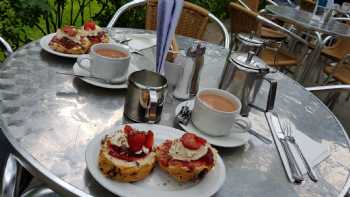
point(22, 21)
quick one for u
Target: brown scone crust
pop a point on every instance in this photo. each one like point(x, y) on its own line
point(122, 172)
point(183, 171)
point(77, 49)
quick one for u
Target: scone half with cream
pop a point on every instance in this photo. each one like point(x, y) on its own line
point(94, 33)
point(69, 40)
point(187, 158)
point(127, 155)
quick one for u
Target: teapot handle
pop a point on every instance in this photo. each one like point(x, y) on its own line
point(272, 94)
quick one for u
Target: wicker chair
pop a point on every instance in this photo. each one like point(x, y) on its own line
point(192, 23)
point(307, 5)
point(340, 52)
point(244, 21)
point(263, 31)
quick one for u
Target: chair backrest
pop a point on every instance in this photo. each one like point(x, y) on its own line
point(252, 4)
point(243, 20)
point(189, 18)
point(341, 47)
point(192, 23)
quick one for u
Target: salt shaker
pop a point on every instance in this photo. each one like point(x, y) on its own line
point(187, 87)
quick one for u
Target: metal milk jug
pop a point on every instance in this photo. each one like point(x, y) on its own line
point(243, 76)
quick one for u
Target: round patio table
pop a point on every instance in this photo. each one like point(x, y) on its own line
point(50, 118)
point(314, 24)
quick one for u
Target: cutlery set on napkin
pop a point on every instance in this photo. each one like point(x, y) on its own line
point(298, 153)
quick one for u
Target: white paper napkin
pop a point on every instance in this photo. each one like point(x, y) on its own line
point(314, 152)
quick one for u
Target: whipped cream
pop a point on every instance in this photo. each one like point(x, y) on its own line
point(91, 32)
point(120, 139)
point(60, 34)
point(180, 152)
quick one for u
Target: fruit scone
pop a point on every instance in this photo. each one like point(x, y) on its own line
point(94, 33)
point(187, 158)
point(127, 155)
point(69, 40)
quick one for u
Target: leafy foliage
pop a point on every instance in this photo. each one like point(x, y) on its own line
point(22, 21)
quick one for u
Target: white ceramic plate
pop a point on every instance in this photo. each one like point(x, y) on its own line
point(158, 183)
point(232, 140)
point(79, 71)
point(44, 43)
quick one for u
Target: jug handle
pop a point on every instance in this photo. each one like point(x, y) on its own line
point(152, 106)
point(272, 94)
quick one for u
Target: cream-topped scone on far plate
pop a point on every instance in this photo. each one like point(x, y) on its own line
point(69, 40)
point(127, 155)
point(94, 33)
point(187, 158)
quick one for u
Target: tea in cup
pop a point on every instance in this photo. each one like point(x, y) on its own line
point(217, 113)
point(107, 61)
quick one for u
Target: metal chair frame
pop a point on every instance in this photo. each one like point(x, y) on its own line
point(8, 49)
point(136, 3)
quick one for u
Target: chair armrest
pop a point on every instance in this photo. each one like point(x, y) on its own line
point(123, 9)
point(328, 88)
point(8, 49)
point(272, 2)
point(222, 28)
point(10, 177)
point(280, 28)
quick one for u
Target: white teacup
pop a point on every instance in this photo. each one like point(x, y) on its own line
point(108, 68)
point(215, 122)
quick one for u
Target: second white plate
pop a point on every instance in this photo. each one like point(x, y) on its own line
point(158, 183)
point(44, 43)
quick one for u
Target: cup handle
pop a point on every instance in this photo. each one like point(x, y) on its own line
point(152, 106)
point(243, 122)
point(84, 57)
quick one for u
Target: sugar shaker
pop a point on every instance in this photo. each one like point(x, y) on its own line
point(187, 87)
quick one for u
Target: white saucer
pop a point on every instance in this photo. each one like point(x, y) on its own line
point(232, 140)
point(123, 81)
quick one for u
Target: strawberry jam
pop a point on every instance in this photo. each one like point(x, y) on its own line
point(123, 154)
point(137, 141)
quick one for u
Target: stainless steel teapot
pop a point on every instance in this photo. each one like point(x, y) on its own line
point(248, 42)
point(243, 76)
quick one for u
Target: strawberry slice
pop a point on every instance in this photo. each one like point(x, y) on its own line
point(149, 140)
point(192, 141)
point(128, 130)
point(71, 31)
point(90, 25)
point(136, 141)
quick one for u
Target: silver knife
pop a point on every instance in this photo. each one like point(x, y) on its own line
point(297, 175)
point(259, 136)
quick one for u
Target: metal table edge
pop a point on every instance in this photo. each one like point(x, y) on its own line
point(62, 187)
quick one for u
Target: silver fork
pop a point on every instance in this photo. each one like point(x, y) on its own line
point(291, 139)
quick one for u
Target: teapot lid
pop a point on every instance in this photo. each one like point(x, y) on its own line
point(250, 62)
point(250, 38)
